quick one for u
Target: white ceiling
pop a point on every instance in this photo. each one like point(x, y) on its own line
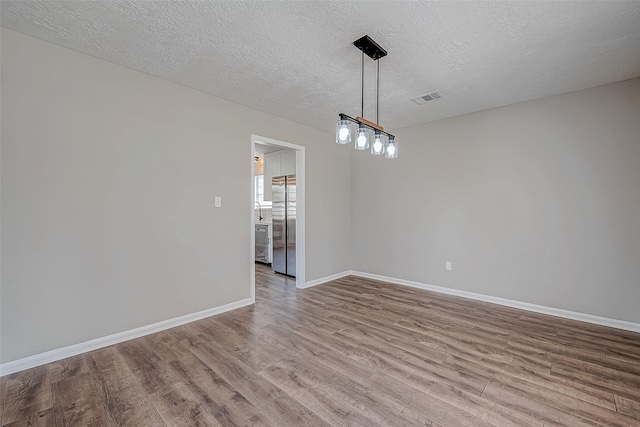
point(294, 59)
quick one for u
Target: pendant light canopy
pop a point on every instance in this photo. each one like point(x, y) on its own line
point(383, 142)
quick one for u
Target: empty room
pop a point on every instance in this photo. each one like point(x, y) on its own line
point(319, 213)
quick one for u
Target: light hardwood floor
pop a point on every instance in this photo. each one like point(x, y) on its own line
point(350, 352)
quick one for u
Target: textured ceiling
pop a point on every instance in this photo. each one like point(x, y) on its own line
point(294, 59)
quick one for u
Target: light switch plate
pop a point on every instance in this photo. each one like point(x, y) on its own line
point(447, 265)
point(218, 202)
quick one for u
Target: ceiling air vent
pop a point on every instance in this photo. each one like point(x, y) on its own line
point(421, 100)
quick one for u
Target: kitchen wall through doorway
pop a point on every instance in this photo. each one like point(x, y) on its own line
point(277, 213)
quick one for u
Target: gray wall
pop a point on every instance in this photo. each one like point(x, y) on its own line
point(108, 180)
point(537, 202)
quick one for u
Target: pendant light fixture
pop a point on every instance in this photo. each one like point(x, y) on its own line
point(382, 142)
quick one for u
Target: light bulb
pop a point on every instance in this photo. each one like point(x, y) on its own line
point(362, 140)
point(377, 147)
point(391, 151)
point(343, 134)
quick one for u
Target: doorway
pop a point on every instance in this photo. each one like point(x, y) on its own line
point(272, 144)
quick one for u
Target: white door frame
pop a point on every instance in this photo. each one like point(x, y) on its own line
point(300, 209)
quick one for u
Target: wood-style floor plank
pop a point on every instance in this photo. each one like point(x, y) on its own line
point(284, 410)
point(44, 418)
point(178, 408)
point(466, 402)
point(166, 346)
point(629, 359)
point(221, 399)
point(517, 377)
point(123, 397)
point(28, 397)
point(149, 369)
point(629, 407)
point(3, 389)
point(564, 401)
point(422, 367)
point(511, 398)
point(352, 352)
point(75, 395)
point(257, 357)
point(302, 384)
point(247, 381)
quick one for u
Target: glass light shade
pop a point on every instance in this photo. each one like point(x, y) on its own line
point(391, 149)
point(362, 138)
point(343, 133)
point(377, 146)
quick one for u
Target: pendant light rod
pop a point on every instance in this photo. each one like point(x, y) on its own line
point(362, 87)
point(377, 94)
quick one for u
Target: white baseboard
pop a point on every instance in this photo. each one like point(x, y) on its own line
point(326, 279)
point(72, 350)
point(582, 317)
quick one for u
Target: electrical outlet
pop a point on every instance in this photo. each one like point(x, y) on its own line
point(447, 265)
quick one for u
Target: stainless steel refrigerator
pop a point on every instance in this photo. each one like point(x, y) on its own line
point(283, 212)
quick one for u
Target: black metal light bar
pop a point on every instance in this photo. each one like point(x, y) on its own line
point(351, 119)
